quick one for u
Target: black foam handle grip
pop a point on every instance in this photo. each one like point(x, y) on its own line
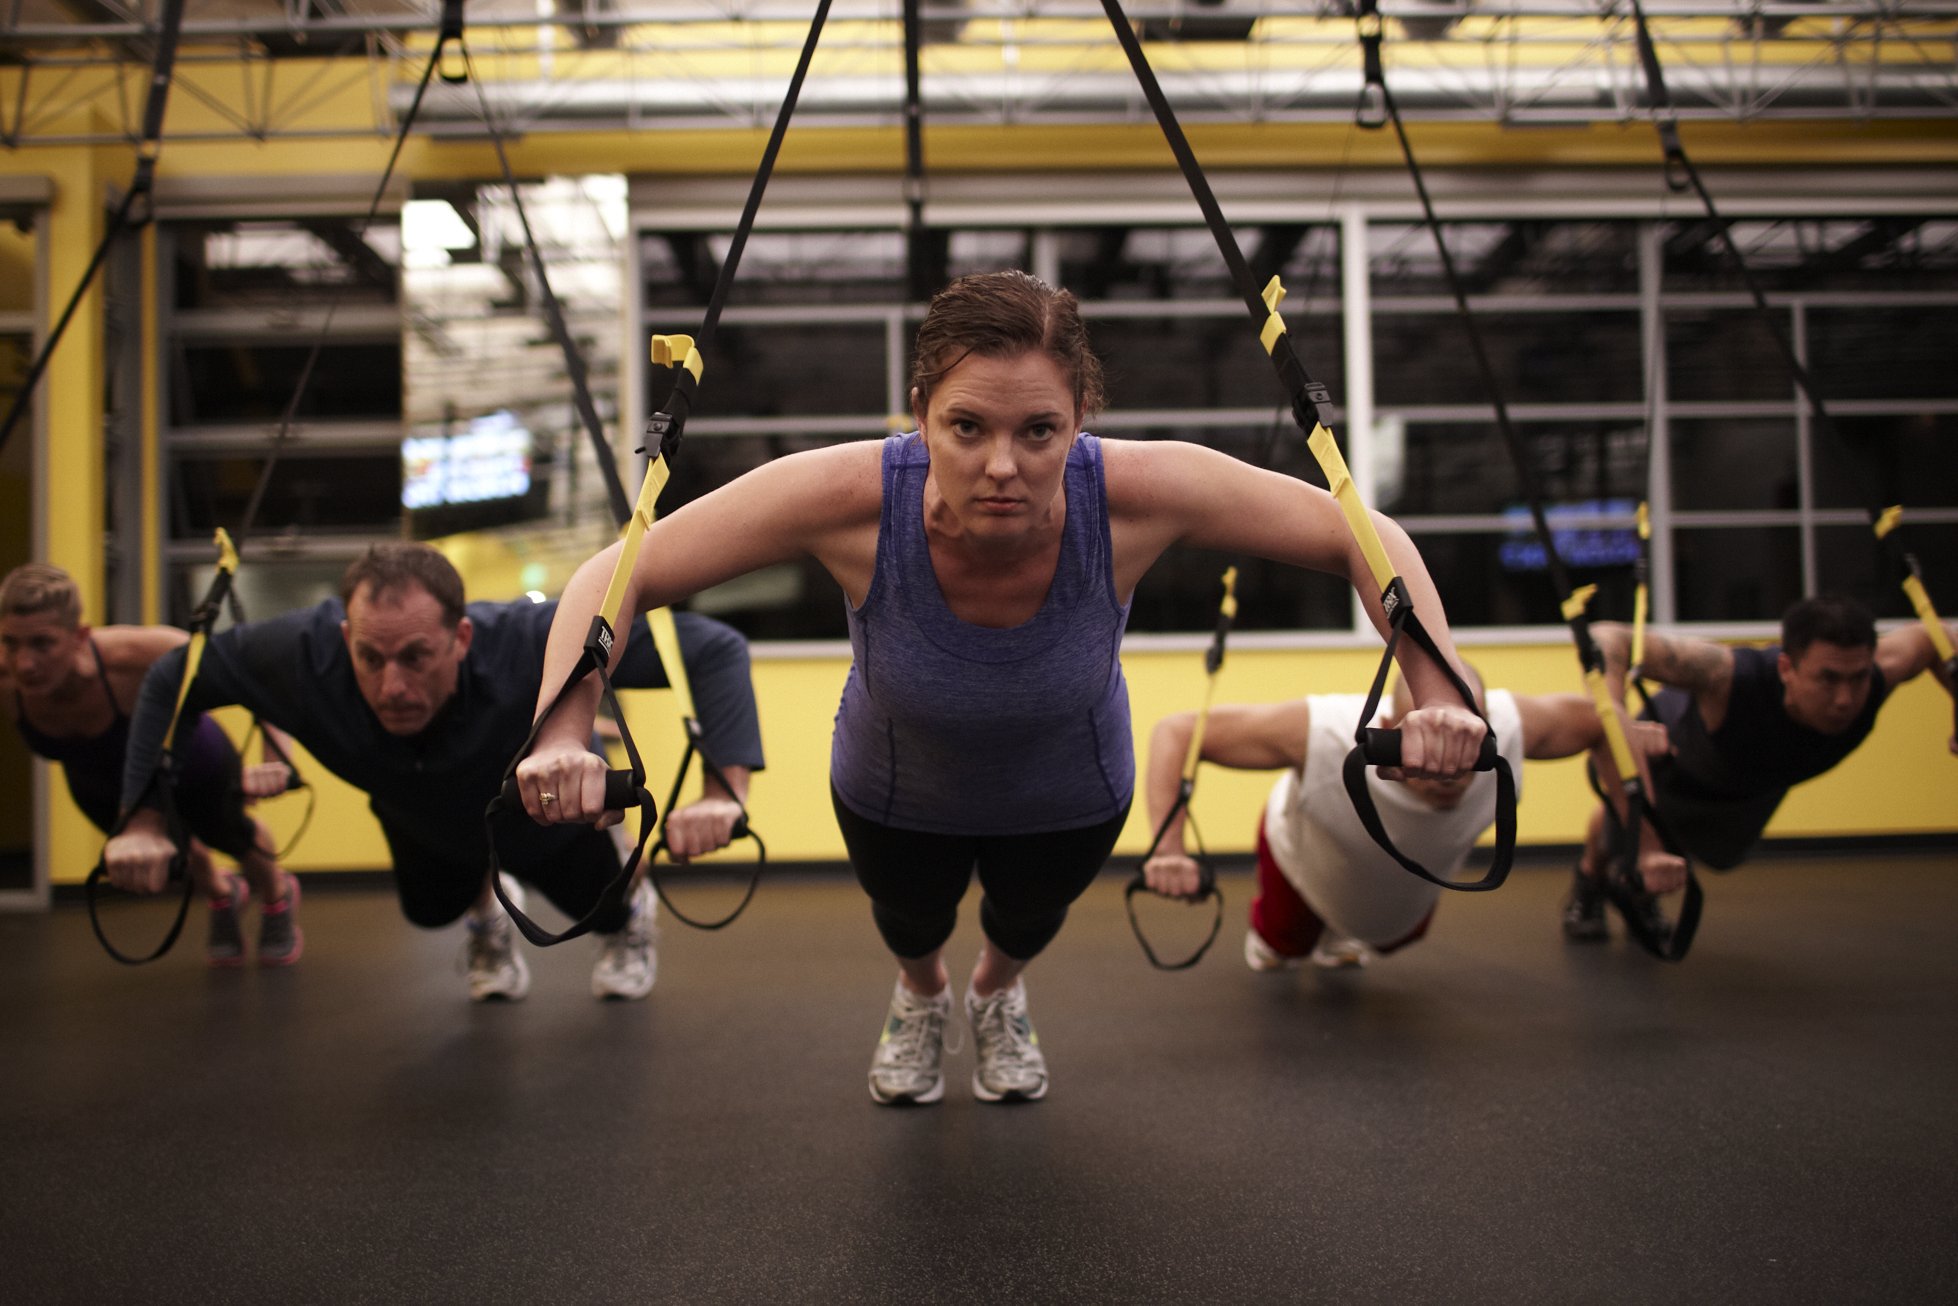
point(1383, 748)
point(621, 791)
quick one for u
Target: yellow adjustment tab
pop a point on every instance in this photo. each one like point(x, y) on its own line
point(1614, 729)
point(1644, 520)
point(666, 638)
point(672, 351)
point(1274, 326)
point(1921, 603)
point(227, 555)
point(1580, 599)
point(1229, 606)
point(1326, 450)
point(1888, 519)
point(657, 474)
point(1639, 604)
point(1369, 26)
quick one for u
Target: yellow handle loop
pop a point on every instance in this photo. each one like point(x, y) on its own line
point(1274, 327)
point(677, 351)
point(1887, 520)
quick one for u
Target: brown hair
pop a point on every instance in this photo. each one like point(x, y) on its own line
point(36, 587)
point(1830, 618)
point(1003, 315)
point(395, 566)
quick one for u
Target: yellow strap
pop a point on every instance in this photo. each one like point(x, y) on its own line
point(1326, 450)
point(666, 638)
point(1644, 520)
point(1614, 729)
point(1191, 758)
point(657, 474)
point(1580, 599)
point(1887, 520)
point(670, 351)
point(1921, 603)
point(1274, 326)
point(194, 653)
point(1640, 601)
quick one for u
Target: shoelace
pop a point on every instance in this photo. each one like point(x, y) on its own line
point(999, 1038)
point(914, 1031)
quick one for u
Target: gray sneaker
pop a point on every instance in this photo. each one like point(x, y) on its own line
point(226, 946)
point(280, 940)
point(496, 968)
point(628, 964)
point(909, 1063)
point(1011, 1067)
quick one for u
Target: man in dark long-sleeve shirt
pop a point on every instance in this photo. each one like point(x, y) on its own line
point(404, 692)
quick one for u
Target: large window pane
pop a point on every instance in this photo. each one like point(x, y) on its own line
point(1901, 252)
point(1746, 573)
point(1891, 351)
point(1156, 263)
point(1725, 354)
point(1849, 561)
point(803, 368)
point(777, 267)
point(231, 383)
point(1498, 578)
point(1430, 468)
point(280, 264)
point(1911, 459)
point(1521, 256)
point(1538, 358)
point(362, 490)
point(1738, 463)
point(1205, 362)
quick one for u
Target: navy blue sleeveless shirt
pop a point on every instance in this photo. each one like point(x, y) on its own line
point(951, 728)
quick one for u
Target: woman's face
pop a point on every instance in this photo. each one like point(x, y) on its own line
point(999, 430)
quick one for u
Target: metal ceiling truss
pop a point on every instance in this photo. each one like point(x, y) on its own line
point(71, 71)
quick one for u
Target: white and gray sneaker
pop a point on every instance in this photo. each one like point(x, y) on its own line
point(628, 964)
point(1340, 952)
point(1259, 955)
point(496, 968)
point(909, 1063)
point(1011, 1068)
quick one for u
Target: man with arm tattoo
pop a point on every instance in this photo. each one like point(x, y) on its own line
point(1747, 725)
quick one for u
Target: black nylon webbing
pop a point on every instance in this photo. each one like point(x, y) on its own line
point(1312, 410)
point(1625, 882)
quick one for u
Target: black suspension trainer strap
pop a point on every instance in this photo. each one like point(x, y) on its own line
point(1623, 880)
point(1311, 406)
point(170, 20)
point(1213, 662)
point(1682, 176)
point(664, 430)
point(162, 782)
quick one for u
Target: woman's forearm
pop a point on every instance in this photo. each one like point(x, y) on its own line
point(584, 594)
point(1431, 685)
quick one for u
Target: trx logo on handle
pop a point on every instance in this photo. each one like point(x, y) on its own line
point(598, 641)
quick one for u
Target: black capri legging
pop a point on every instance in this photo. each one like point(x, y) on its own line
point(916, 880)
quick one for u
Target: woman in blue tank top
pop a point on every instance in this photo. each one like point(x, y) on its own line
point(988, 561)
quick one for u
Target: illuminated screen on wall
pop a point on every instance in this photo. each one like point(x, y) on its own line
point(1582, 545)
point(479, 473)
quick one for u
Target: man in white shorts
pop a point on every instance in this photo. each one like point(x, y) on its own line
point(1325, 889)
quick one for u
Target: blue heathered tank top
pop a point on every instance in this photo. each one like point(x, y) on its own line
point(951, 728)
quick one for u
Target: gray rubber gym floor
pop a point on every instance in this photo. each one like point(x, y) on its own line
point(1490, 1115)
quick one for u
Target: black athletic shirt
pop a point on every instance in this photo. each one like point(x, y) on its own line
point(1759, 749)
point(429, 790)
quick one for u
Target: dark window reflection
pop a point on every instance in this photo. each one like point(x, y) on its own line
point(1447, 467)
point(1734, 463)
point(254, 383)
point(765, 370)
point(1849, 561)
point(1499, 579)
point(1206, 362)
point(1751, 573)
point(272, 264)
point(1888, 352)
point(1909, 459)
point(1726, 354)
point(363, 490)
point(1516, 257)
point(1538, 358)
point(1902, 252)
